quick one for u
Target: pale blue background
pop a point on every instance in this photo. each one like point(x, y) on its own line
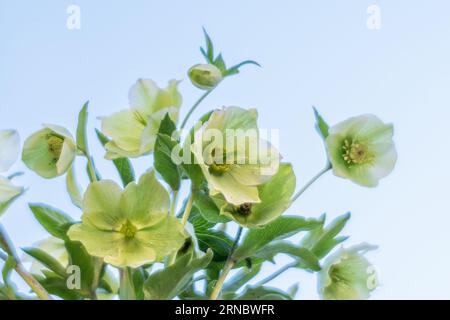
point(313, 53)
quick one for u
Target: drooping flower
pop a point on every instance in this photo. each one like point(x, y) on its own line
point(233, 158)
point(133, 131)
point(129, 227)
point(50, 151)
point(205, 76)
point(275, 198)
point(361, 149)
point(348, 275)
point(9, 152)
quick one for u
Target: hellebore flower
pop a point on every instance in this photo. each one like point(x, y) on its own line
point(133, 131)
point(9, 152)
point(361, 149)
point(205, 76)
point(50, 151)
point(348, 275)
point(233, 158)
point(129, 227)
point(275, 198)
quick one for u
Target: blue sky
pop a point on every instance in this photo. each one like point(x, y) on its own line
point(317, 53)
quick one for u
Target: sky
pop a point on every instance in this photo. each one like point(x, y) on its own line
point(318, 53)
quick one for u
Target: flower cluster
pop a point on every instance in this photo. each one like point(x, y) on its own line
point(137, 241)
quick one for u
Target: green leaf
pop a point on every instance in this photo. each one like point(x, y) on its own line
point(235, 69)
point(264, 293)
point(47, 260)
point(208, 208)
point(167, 126)
point(307, 259)
point(163, 161)
point(321, 126)
point(281, 228)
point(241, 278)
point(321, 241)
point(209, 54)
point(91, 268)
point(81, 129)
point(57, 286)
point(166, 284)
point(53, 220)
point(73, 189)
point(8, 267)
point(218, 241)
point(123, 165)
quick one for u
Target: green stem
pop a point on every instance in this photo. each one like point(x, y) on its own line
point(126, 291)
point(91, 169)
point(186, 118)
point(184, 219)
point(187, 210)
point(310, 182)
point(227, 268)
point(7, 245)
point(276, 273)
point(173, 205)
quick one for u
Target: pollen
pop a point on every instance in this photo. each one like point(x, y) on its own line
point(128, 229)
point(355, 152)
point(244, 209)
point(55, 145)
point(219, 169)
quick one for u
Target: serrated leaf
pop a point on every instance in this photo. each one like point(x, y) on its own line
point(47, 261)
point(81, 129)
point(53, 220)
point(163, 162)
point(73, 189)
point(166, 284)
point(321, 126)
point(209, 47)
point(123, 165)
point(281, 228)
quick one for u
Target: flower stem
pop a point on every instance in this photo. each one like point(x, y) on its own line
point(227, 268)
point(174, 202)
point(126, 291)
point(186, 118)
point(187, 210)
point(310, 182)
point(276, 273)
point(7, 245)
point(91, 169)
point(184, 219)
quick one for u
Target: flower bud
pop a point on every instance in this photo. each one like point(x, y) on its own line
point(205, 76)
point(348, 275)
point(50, 151)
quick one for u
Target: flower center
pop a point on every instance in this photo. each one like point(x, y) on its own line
point(219, 169)
point(128, 229)
point(244, 209)
point(355, 152)
point(55, 145)
point(140, 118)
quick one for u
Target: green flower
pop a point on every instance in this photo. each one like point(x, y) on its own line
point(9, 151)
point(233, 158)
point(348, 275)
point(129, 227)
point(50, 151)
point(133, 131)
point(361, 149)
point(275, 198)
point(205, 76)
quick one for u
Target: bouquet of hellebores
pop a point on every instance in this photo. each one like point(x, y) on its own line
point(139, 239)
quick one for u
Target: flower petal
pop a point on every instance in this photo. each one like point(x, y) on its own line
point(146, 203)
point(9, 148)
point(101, 205)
